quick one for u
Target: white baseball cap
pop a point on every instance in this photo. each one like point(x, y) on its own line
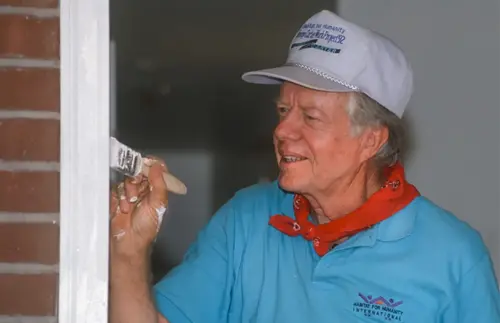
point(331, 54)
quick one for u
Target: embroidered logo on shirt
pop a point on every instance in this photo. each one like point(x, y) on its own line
point(378, 307)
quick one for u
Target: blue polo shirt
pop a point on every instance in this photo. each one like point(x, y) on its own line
point(420, 265)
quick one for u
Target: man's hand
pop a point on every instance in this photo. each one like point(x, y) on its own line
point(137, 208)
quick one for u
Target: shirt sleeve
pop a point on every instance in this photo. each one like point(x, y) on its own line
point(198, 289)
point(477, 298)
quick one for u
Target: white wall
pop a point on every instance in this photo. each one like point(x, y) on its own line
point(454, 47)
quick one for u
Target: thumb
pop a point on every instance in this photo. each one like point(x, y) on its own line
point(159, 194)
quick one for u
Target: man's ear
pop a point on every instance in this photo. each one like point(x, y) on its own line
point(373, 139)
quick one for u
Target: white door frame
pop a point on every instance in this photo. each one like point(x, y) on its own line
point(85, 122)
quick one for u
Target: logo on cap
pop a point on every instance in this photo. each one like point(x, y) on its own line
point(312, 44)
point(311, 33)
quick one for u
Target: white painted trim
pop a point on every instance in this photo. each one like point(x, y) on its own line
point(83, 278)
point(114, 176)
point(28, 319)
point(113, 90)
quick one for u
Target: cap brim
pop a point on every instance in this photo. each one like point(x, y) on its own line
point(294, 74)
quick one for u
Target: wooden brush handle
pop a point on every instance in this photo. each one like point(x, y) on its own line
point(174, 185)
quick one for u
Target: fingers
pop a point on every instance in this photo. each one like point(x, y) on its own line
point(122, 197)
point(150, 160)
point(120, 224)
point(132, 188)
point(141, 204)
point(174, 185)
point(128, 193)
point(113, 204)
point(120, 221)
point(143, 189)
point(159, 195)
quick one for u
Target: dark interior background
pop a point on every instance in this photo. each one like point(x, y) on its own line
point(179, 87)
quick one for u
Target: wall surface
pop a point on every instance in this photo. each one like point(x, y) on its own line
point(454, 47)
point(29, 155)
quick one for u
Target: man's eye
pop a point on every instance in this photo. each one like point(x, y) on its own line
point(310, 118)
point(282, 111)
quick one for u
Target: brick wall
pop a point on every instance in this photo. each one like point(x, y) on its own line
point(29, 160)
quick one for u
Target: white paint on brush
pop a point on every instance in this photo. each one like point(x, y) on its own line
point(124, 159)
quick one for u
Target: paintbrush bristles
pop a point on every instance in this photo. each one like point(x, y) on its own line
point(124, 159)
point(130, 163)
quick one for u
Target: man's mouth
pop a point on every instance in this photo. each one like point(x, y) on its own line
point(292, 159)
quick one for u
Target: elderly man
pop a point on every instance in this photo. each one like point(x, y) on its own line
point(341, 236)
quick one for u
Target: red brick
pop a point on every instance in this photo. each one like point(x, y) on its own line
point(28, 295)
point(29, 37)
point(30, 3)
point(29, 139)
point(29, 89)
point(29, 191)
point(29, 243)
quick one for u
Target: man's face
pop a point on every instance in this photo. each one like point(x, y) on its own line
point(314, 144)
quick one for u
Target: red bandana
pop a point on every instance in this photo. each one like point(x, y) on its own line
point(391, 198)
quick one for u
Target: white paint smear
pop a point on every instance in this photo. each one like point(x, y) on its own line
point(160, 212)
point(119, 235)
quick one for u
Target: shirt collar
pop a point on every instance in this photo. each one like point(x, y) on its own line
point(396, 227)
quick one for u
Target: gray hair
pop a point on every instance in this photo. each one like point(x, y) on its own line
point(366, 112)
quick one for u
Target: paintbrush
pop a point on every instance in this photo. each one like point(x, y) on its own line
point(131, 163)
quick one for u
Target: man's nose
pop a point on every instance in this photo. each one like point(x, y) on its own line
point(288, 127)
